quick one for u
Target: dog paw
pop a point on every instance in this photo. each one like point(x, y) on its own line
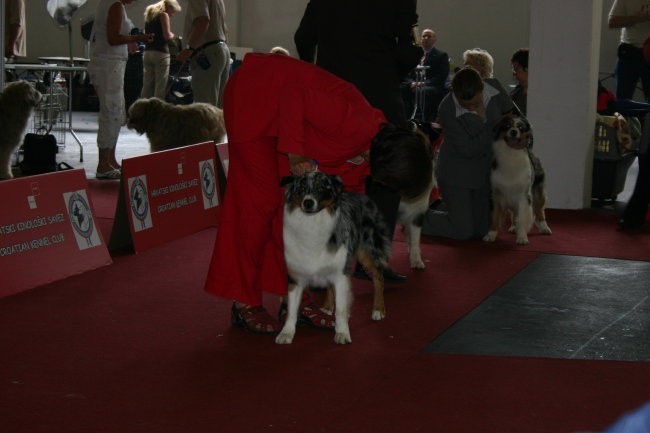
point(522, 240)
point(284, 337)
point(544, 228)
point(417, 264)
point(378, 315)
point(342, 338)
point(490, 236)
point(512, 229)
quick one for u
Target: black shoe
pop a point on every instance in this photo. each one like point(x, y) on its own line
point(390, 276)
point(436, 204)
point(627, 223)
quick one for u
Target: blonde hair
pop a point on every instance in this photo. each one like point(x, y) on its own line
point(280, 50)
point(480, 60)
point(152, 11)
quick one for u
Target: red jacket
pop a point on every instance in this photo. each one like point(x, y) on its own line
point(310, 111)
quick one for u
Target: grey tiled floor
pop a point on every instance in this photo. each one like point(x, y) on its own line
point(84, 124)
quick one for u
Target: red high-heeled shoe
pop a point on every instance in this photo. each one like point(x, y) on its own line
point(255, 319)
point(309, 314)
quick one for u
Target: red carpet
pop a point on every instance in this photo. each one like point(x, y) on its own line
point(575, 232)
point(139, 347)
point(104, 199)
point(494, 394)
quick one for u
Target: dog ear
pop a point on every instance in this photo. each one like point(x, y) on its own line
point(156, 102)
point(337, 183)
point(286, 180)
point(500, 126)
point(138, 107)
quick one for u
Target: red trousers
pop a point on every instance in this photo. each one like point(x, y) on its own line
point(248, 256)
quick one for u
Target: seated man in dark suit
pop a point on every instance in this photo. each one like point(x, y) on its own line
point(434, 85)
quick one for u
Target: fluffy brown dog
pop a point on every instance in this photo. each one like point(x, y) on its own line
point(17, 103)
point(168, 126)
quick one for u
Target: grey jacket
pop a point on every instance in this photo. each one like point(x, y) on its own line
point(466, 152)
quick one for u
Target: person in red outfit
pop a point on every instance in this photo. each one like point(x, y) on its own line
point(283, 116)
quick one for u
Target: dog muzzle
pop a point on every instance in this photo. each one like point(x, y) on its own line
point(516, 141)
point(309, 205)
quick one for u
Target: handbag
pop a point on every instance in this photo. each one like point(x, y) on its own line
point(39, 153)
point(179, 90)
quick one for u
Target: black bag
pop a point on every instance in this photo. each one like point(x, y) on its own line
point(179, 91)
point(39, 154)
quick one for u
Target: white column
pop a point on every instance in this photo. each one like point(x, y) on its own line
point(563, 79)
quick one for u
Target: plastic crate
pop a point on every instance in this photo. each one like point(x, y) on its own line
point(611, 163)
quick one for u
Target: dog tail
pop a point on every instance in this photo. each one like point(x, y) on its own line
point(378, 238)
point(538, 171)
point(382, 249)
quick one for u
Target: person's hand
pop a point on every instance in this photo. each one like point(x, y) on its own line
point(360, 158)
point(145, 38)
point(184, 55)
point(299, 165)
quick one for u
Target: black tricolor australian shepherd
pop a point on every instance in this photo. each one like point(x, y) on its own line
point(517, 180)
point(403, 159)
point(413, 207)
point(325, 230)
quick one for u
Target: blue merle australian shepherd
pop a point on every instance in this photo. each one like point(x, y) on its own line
point(517, 180)
point(325, 231)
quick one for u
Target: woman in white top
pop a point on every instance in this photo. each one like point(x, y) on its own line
point(106, 69)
